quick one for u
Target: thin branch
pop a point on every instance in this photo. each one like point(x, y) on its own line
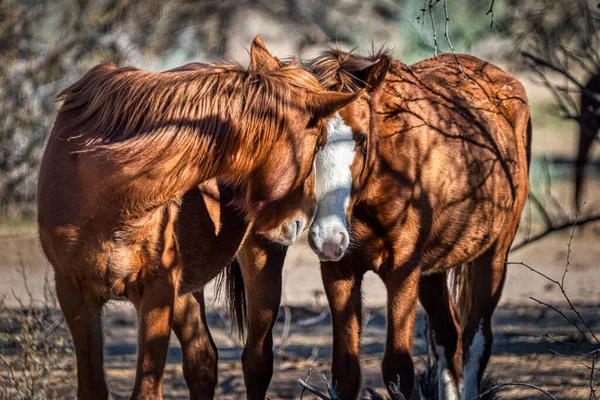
point(311, 389)
point(554, 228)
point(564, 293)
point(555, 339)
point(450, 43)
point(433, 28)
point(561, 314)
point(491, 11)
point(562, 281)
point(571, 358)
point(496, 387)
point(566, 74)
point(303, 388)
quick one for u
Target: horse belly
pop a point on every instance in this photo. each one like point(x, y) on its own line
point(209, 233)
point(462, 235)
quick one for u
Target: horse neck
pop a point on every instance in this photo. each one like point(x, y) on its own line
point(160, 167)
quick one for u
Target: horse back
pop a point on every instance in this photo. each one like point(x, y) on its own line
point(453, 156)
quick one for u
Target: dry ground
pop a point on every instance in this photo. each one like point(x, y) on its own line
point(522, 350)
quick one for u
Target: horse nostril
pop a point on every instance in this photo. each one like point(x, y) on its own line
point(343, 241)
point(297, 227)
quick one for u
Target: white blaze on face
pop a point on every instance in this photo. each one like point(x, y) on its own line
point(472, 366)
point(329, 234)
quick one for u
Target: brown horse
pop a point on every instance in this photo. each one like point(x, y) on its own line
point(588, 132)
point(127, 149)
point(439, 178)
point(255, 281)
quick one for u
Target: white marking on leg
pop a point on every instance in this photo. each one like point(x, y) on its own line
point(472, 366)
point(447, 389)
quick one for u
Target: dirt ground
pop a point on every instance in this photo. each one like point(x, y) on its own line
point(527, 335)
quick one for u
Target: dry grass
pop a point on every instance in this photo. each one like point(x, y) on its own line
point(33, 341)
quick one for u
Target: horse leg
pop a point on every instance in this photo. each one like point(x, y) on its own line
point(397, 366)
point(84, 319)
point(199, 351)
point(444, 330)
point(261, 264)
point(155, 313)
point(480, 298)
point(343, 281)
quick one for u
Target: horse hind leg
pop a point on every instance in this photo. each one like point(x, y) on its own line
point(199, 351)
point(479, 296)
point(155, 314)
point(84, 319)
point(444, 333)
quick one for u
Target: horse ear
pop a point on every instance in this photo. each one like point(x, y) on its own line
point(325, 104)
point(377, 73)
point(260, 58)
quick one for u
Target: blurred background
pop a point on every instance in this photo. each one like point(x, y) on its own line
point(552, 46)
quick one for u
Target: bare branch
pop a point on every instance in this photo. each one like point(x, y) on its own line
point(566, 74)
point(566, 297)
point(307, 387)
point(571, 358)
point(491, 11)
point(433, 28)
point(306, 381)
point(450, 43)
point(554, 228)
point(501, 385)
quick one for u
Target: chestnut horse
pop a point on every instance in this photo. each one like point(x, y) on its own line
point(440, 183)
point(432, 175)
point(126, 149)
point(588, 132)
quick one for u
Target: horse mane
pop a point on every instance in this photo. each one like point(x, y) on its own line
point(336, 69)
point(197, 106)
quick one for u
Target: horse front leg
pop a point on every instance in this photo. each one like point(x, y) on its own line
point(155, 314)
point(261, 263)
point(397, 366)
point(342, 281)
point(84, 318)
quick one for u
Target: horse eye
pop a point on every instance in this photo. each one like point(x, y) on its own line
point(361, 143)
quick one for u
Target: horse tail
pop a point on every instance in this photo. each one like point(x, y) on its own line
point(461, 288)
point(232, 281)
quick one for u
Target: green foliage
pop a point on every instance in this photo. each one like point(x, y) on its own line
point(469, 23)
